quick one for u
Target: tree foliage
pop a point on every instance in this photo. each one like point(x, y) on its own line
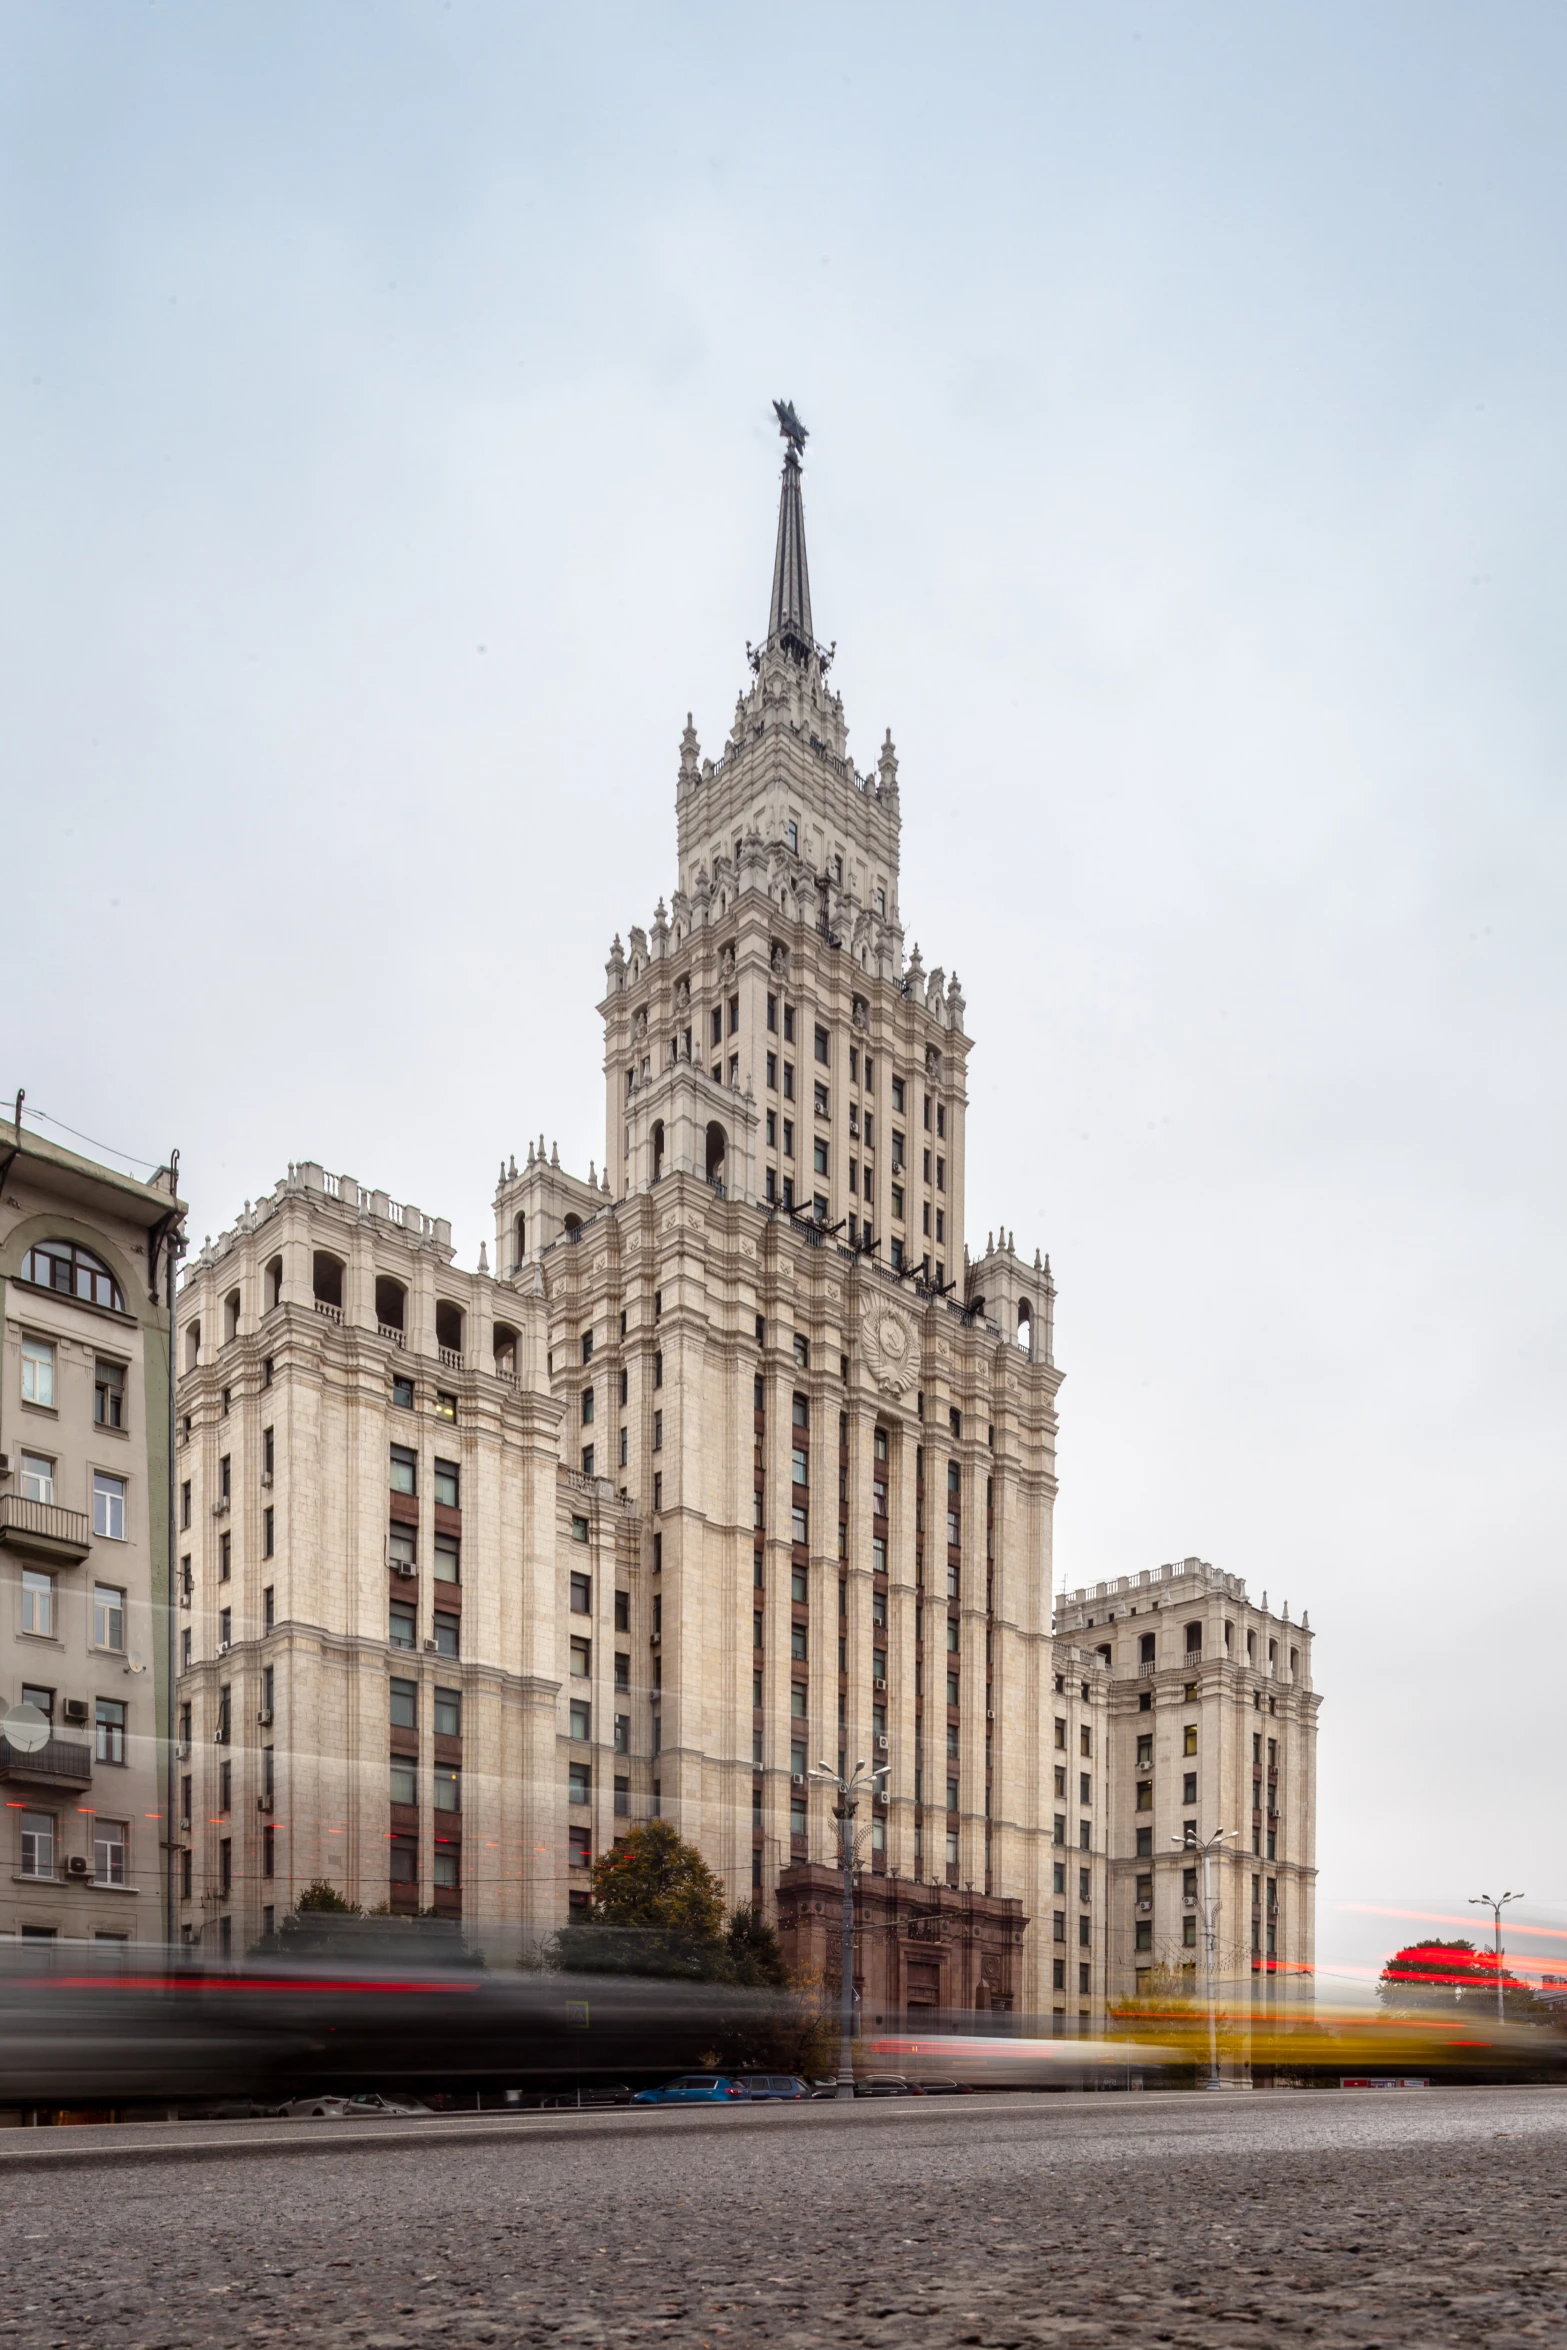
point(1438, 1973)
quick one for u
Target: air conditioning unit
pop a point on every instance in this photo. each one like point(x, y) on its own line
point(263, 1803)
point(989, 1716)
point(76, 1866)
point(881, 1745)
point(264, 1718)
point(220, 1509)
point(402, 1567)
point(75, 1709)
point(429, 1648)
point(224, 1646)
point(266, 1476)
point(5, 1464)
point(797, 1778)
point(878, 1684)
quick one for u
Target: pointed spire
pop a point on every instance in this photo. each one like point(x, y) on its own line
point(789, 621)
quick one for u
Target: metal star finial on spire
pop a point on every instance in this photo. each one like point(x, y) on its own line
point(789, 424)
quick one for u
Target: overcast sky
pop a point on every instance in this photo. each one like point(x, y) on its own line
point(384, 394)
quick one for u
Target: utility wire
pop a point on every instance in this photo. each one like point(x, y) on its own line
point(114, 1152)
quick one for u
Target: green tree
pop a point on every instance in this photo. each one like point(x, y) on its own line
point(1441, 1974)
point(320, 1898)
point(754, 1954)
point(658, 1909)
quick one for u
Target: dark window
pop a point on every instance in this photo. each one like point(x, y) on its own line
point(446, 1630)
point(404, 1704)
point(405, 1469)
point(581, 1595)
point(823, 1045)
point(446, 1484)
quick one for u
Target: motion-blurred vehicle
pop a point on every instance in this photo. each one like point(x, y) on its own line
point(587, 2099)
point(315, 2109)
point(939, 2085)
point(774, 2088)
point(369, 2104)
point(695, 2089)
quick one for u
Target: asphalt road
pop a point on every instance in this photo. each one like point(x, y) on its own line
point(1428, 2217)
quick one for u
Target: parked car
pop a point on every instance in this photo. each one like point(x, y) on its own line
point(584, 2100)
point(695, 2089)
point(367, 2106)
point(887, 2085)
point(939, 2085)
point(773, 2088)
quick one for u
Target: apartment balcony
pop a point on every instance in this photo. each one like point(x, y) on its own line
point(59, 1762)
point(63, 1537)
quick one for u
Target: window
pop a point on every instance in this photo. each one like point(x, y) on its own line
point(788, 1081)
point(446, 1629)
point(268, 1532)
point(658, 1431)
point(579, 1782)
point(622, 1733)
point(108, 1506)
point(38, 1372)
point(445, 1406)
point(800, 1465)
point(403, 1398)
point(1194, 1639)
point(579, 1529)
point(580, 1719)
point(447, 1559)
point(447, 1488)
point(587, 1346)
point(111, 1730)
point(819, 1156)
point(897, 1200)
point(109, 1394)
point(404, 1704)
point(952, 1689)
point(447, 1782)
point(404, 1780)
point(581, 1658)
point(225, 1557)
point(622, 1611)
point(579, 1847)
point(108, 1616)
point(897, 1093)
point(587, 1407)
point(658, 1503)
point(74, 1272)
point(37, 1844)
point(1145, 1795)
point(897, 1254)
point(581, 1595)
point(37, 1477)
point(772, 1017)
point(797, 1642)
point(952, 1634)
point(37, 1602)
point(1189, 1787)
point(405, 1469)
point(799, 1526)
point(403, 1626)
point(1189, 1744)
point(1085, 1788)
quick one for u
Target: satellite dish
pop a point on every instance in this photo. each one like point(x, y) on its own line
point(25, 1728)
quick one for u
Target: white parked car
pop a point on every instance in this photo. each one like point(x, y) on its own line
point(368, 2107)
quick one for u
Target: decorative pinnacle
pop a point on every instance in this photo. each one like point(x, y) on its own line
point(789, 425)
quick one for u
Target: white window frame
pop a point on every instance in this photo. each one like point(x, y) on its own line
point(38, 1827)
point(38, 1478)
point(111, 1851)
point(108, 1605)
point(38, 1585)
point(37, 1370)
point(108, 1520)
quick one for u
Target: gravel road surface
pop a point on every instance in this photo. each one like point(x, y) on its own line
point(1426, 2217)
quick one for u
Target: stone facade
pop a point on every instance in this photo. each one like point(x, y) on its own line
point(1213, 1725)
point(736, 1463)
point(84, 1476)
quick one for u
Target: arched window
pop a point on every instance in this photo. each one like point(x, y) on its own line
point(519, 1239)
point(1025, 1325)
point(326, 1277)
point(391, 1306)
point(74, 1272)
point(658, 1148)
point(505, 1351)
point(573, 1226)
point(449, 1331)
point(273, 1280)
point(231, 1317)
point(717, 1149)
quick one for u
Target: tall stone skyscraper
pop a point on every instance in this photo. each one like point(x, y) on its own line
point(738, 1462)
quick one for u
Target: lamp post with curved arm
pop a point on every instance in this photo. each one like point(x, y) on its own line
point(1496, 1903)
point(843, 1811)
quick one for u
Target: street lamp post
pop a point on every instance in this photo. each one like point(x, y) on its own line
point(1210, 1940)
point(843, 1811)
point(1496, 1904)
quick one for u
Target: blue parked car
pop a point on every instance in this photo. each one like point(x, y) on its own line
point(694, 2089)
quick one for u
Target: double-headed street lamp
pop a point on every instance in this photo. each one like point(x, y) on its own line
point(1496, 1904)
point(843, 1811)
point(1210, 1939)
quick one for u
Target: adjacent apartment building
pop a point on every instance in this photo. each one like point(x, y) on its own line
point(84, 1480)
point(737, 1460)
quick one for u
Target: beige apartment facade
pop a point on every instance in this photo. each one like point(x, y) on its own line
point(1213, 1732)
point(736, 1462)
point(84, 1470)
